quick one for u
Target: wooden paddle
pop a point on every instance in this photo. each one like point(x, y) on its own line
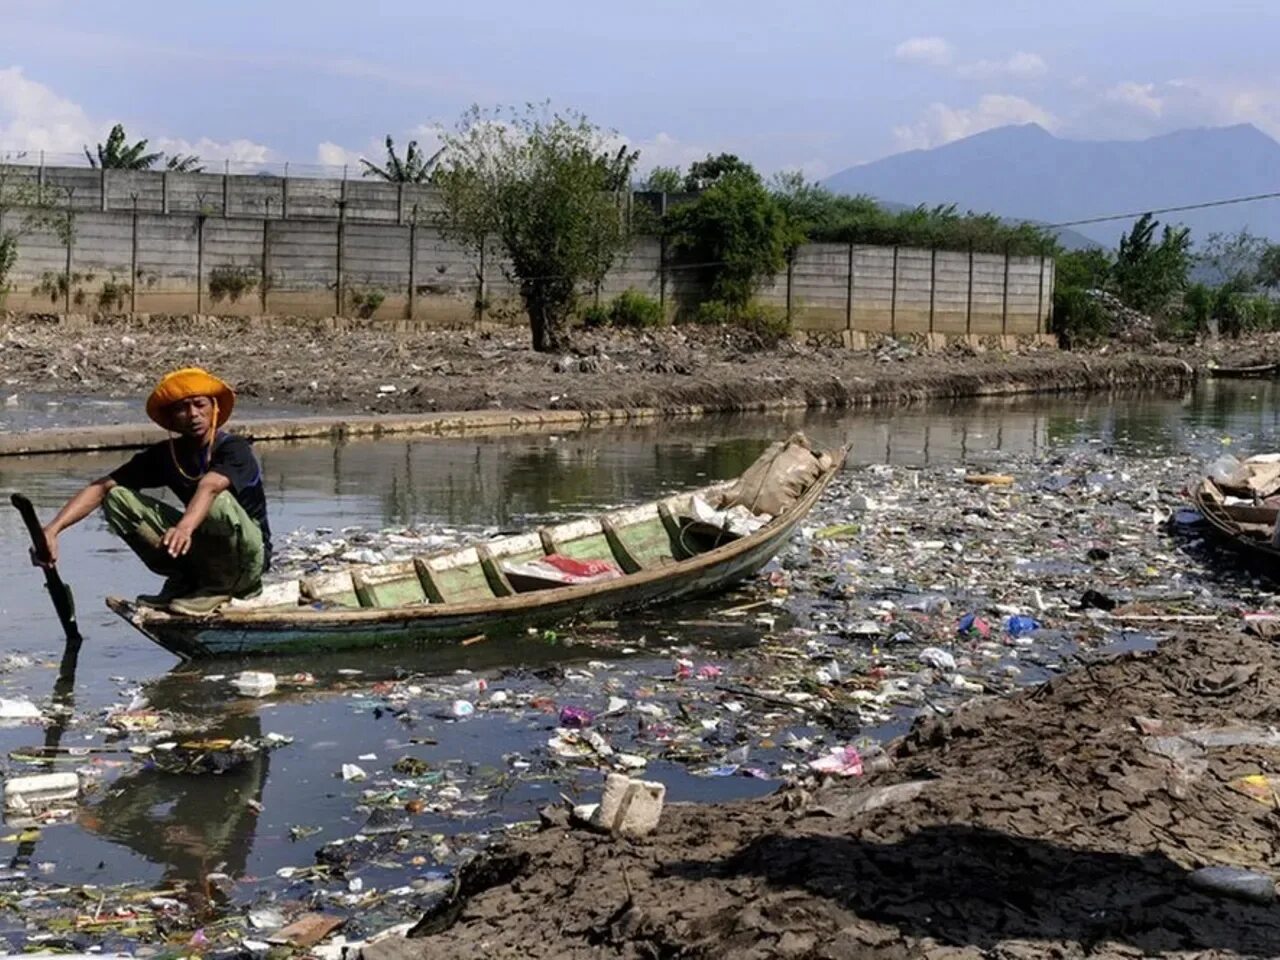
point(59, 592)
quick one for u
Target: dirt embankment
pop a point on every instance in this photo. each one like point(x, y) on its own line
point(1062, 822)
point(365, 369)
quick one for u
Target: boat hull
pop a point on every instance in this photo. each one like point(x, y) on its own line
point(1259, 556)
point(1262, 371)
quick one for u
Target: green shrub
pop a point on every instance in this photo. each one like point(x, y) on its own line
point(1078, 318)
point(709, 313)
point(114, 294)
point(231, 282)
point(594, 316)
point(633, 309)
point(55, 286)
point(765, 320)
point(1259, 313)
point(365, 303)
point(1197, 307)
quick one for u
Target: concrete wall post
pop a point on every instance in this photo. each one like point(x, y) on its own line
point(200, 218)
point(968, 306)
point(893, 297)
point(1004, 297)
point(933, 283)
point(133, 260)
point(413, 264)
point(662, 269)
point(1040, 299)
point(264, 278)
point(339, 292)
point(848, 293)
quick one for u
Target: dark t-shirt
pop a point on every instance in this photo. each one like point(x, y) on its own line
point(232, 457)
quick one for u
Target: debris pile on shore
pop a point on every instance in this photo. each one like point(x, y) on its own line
point(292, 364)
point(1066, 821)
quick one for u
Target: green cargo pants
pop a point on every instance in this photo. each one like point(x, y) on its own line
point(226, 554)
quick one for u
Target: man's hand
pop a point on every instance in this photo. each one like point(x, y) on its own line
point(177, 540)
point(51, 544)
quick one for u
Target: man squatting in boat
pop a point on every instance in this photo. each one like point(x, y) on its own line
point(220, 545)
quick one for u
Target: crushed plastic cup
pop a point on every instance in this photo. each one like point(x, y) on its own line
point(937, 658)
point(255, 683)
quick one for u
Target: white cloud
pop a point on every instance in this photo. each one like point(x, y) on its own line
point(942, 124)
point(329, 154)
point(239, 153)
point(1134, 109)
point(931, 51)
point(1020, 66)
point(1139, 96)
point(664, 150)
point(34, 118)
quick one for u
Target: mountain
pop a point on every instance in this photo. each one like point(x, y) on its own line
point(1025, 172)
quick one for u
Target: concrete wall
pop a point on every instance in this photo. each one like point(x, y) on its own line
point(321, 246)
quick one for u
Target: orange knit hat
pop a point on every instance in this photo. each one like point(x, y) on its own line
point(184, 384)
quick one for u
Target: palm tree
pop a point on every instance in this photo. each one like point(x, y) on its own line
point(118, 154)
point(416, 167)
point(180, 163)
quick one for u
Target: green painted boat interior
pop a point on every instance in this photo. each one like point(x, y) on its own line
point(637, 539)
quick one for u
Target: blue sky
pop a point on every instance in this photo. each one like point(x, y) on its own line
point(811, 84)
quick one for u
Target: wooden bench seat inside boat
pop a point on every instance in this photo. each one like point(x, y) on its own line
point(635, 539)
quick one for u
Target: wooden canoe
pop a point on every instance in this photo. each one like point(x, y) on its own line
point(662, 553)
point(1245, 528)
point(1257, 371)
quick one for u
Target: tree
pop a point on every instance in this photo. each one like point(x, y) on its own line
point(703, 173)
point(1087, 269)
point(809, 207)
point(119, 154)
point(1149, 275)
point(416, 167)
point(1269, 266)
point(664, 180)
point(1234, 258)
point(183, 163)
point(17, 190)
point(547, 187)
point(735, 235)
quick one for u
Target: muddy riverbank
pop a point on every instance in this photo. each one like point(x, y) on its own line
point(1063, 821)
point(303, 365)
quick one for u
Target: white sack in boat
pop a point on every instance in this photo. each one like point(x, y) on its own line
point(738, 520)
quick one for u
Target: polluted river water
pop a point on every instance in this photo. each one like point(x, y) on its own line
point(363, 779)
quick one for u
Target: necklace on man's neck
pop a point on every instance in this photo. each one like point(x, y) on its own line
point(205, 449)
